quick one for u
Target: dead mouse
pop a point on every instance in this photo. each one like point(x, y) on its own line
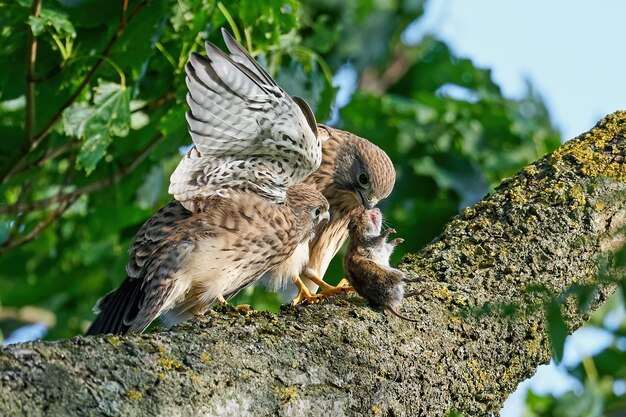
point(366, 263)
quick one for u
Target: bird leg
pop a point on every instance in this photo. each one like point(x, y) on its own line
point(304, 294)
point(245, 308)
point(327, 290)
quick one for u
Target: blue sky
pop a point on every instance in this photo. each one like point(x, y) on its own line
point(574, 52)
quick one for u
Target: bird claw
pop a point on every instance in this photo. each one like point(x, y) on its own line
point(343, 287)
point(327, 290)
point(244, 308)
point(308, 297)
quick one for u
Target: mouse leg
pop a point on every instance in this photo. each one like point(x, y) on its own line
point(414, 293)
point(418, 279)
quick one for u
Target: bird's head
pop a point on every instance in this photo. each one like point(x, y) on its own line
point(309, 206)
point(364, 172)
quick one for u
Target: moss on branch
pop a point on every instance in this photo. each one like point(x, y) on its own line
point(482, 328)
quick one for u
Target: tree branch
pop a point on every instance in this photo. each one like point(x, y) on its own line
point(551, 226)
point(87, 189)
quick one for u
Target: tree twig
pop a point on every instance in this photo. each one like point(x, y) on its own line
point(156, 103)
point(48, 156)
point(37, 138)
point(87, 189)
point(101, 58)
point(39, 228)
point(44, 223)
point(31, 57)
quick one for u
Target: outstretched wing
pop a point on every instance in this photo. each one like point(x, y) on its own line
point(247, 132)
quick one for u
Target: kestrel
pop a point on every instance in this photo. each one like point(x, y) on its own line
point(249, 134)
point(181, 262)
point(354, 174)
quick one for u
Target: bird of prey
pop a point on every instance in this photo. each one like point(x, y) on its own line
point(354, 173)
point(181, 262)
point(249, 134)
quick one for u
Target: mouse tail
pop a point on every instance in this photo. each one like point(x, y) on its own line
point(395, 313)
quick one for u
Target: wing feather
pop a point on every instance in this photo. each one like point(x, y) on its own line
point(248, 134)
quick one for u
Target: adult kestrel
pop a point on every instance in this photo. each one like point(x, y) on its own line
point(354, 174)
point(181, 262)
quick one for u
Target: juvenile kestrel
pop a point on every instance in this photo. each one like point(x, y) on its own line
point(181, 262)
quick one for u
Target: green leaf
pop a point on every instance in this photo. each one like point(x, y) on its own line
point(557, 329)
point(51, 19)
point(97, 124)
point(148, 192)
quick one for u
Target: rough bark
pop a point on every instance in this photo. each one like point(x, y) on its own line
point(482, 325)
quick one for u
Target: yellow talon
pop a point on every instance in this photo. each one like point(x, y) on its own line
point(328, 290)
point(304, 294)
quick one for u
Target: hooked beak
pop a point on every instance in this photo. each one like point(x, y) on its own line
point(368, 202)
point(324, 216)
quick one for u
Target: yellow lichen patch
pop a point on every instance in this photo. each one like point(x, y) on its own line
point(480, 377)
point(206, 358)
point(468, 213)
point(599, 152)
point(161, 376)
point(460, 300)
point(367, 313)
point(517, 195)
point(134, 395)
point(599, 206)
point(577, 196)
point(534, 343)
point(512, 371)
point(114, 341)
point(531, 170)
point(376, 410)
point(170, 363)
point(442, 292)
point(286, 394)
point(289, 393)
point(194, 377)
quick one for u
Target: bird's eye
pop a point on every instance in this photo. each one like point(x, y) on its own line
point(363, 180)
point(318, 211)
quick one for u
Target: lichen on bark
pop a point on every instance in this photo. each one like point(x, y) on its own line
point(482, 326)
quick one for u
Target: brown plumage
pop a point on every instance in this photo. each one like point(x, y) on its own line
point(354, 174)
point(181, 262)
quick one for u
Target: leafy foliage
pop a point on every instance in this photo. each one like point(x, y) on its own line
point(602, 376)
point(106, 103)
